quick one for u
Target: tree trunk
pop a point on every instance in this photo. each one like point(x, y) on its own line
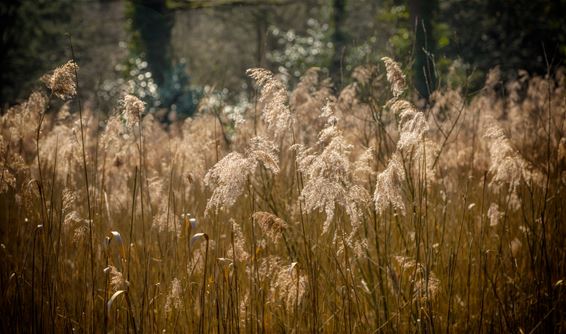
point(153, 22)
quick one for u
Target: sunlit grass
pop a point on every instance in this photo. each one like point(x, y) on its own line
point(347, 212)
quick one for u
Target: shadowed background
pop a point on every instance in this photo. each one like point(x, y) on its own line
point(169, 51)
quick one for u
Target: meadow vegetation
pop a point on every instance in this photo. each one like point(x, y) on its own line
point(312, 211)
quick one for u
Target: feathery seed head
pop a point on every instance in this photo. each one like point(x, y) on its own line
point(228, 179)
point(395, 76)
point(62, 81)
point(506, 164)
point(412, 124)
point(364, 74)
point(271, 225)
point(388, 187)
point(275, 111)
point(133, 108)
point(36, 103)
point(238, 251)
point(264, 151)
point(493, 77)
point(363, 166)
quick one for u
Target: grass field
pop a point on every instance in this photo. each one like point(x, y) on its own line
point(312, 211)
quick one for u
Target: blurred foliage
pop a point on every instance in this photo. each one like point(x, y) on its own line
point(174, 94)
point(472, 37)
point(394, 24)
point(32, 39)
point(218, 42)
point(297, 52)
point(508, 33)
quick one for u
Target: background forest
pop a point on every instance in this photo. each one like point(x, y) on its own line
point(169, 52)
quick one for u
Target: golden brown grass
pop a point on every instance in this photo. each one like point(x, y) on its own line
point(348, 212)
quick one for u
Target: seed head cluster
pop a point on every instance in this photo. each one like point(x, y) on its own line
point(358, 210)
point(62, 81)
